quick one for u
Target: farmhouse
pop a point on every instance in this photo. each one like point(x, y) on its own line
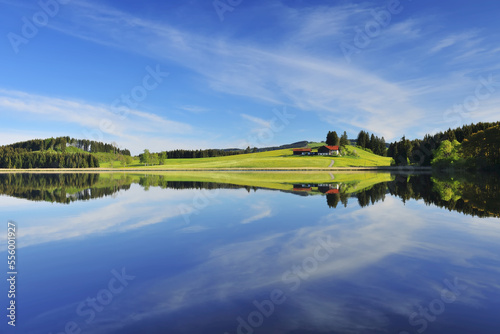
point(302, 151)
point(328, 150)
point(329, 188)
point(325, 188)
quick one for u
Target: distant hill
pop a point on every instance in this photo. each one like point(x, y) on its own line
point(60, 152)
point(60, 144)
point(298, 144)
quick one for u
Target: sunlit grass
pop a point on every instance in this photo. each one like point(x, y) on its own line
point(271, 159)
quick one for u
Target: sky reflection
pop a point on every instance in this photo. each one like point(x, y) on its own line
point(386, 261)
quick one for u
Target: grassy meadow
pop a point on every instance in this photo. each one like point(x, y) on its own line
point(272, 159)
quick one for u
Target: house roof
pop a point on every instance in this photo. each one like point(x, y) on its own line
point(302, 150)
point(302, 189)
point(332, 148)
point(332, 191)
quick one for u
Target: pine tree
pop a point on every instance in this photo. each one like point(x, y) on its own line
point(344, 141)
point(332, 139)
point(361, 142)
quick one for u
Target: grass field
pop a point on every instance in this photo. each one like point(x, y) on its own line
point(272, 159)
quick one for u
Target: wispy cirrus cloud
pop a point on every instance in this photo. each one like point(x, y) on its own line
point(262, 210)
point(466, 39)
point(303, 67)
point(280, 75)
point(98, 119)
point(194, 109)
point(256, 120)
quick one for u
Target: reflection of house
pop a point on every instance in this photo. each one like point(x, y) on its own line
point(326, 188)
point(302, 151)
point(328, 150)
point(302, 189)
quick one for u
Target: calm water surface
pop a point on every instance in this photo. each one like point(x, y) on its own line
point(409, 256)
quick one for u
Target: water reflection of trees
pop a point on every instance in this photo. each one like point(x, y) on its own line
point(59, 188)
point(477, 195)
point(67, 188)
point(148, 181)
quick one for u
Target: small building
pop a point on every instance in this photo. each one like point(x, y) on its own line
point(302, 189)
point(328, 150)
point(302, 151)
point(329, 188)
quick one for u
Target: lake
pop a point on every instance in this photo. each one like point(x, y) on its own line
point(252, 253)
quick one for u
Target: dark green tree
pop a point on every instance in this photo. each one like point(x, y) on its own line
point(344, 141)
point(332, 139)
point(361, 141)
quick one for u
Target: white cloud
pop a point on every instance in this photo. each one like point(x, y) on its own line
point(465, 40)
point(282, 74)
point(262, 210)
point(373, 236)
point(194, 109)
point(97, 121)
point(129, 212)
point(286, 72)
point(370, 243)
point(259, 121)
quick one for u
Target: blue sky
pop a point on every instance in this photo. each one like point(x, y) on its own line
point(183, 74)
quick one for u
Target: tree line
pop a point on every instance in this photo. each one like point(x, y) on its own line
point(97, 147)
point(149, 158)
point(21, 158)
point(210, 153)
point(479, 151)
point(53, 153)
point(364, 140)
point(60, 144)
point(371, 142)
point(421, 152)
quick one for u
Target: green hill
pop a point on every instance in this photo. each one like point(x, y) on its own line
point(64, 152)
point(355, 157)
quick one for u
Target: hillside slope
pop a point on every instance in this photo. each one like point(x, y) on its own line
point(271, 159)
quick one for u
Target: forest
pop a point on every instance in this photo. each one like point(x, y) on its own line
point(53, 153)
point(59, 144)
point(22, 159)
point(474, 138)
point(149, 158)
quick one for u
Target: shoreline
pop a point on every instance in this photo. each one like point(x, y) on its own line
point(404, 169)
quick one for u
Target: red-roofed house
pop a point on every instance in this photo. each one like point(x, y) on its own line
point(302, 151)
point(328, 150)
